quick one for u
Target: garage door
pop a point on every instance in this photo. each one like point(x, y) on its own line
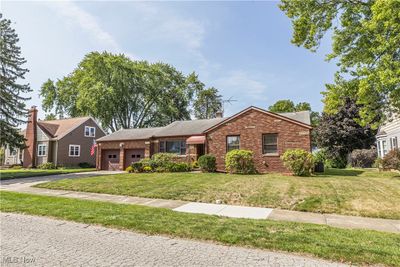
point(133, 155)
point(110, 159)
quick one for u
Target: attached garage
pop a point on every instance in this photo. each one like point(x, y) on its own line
point(110, 159)
point(133, 155)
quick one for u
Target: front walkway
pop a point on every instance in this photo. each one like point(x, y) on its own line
point(341, 221)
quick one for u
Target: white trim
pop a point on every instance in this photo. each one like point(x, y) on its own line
point(90, 131)
point(44, 150)
point(79, 151)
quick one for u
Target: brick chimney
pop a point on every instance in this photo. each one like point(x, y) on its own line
point(219, 114)
point(31, 138)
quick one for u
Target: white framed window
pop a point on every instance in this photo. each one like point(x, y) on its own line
point(384, 148)
point(74, 150)
point(393, 143)
point(90, 131)
point(42, 150)
point(232, 142)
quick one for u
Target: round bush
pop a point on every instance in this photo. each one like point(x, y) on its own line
point(299, 161)
point(207, 163)
point(129, 169)
point(47, 166)
point(391, 160)
point(240, 161)
point(163, 159)
point(362, 158)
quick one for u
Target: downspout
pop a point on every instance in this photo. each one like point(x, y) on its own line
point(56, 154)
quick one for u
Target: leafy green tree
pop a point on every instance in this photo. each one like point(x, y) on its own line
point(287, 105)
point(365, 45)
point(339, 133)
point(122, 93)
point(207, 103)
point(283, 106)
point(50, 117)
point(12, 108)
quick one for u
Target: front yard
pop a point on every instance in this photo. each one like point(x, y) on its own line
point(23, 173)
point(353, 246)
point(350, 192)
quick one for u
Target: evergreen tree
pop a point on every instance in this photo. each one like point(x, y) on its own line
point(12, 108)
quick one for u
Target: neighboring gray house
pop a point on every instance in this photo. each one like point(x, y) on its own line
point(65, 142)
point(388, 136)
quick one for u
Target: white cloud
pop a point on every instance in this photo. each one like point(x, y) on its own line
point(88, 23)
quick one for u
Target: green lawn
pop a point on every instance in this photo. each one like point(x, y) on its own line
point(355, 246)
point(23, 173)
point(350, 192)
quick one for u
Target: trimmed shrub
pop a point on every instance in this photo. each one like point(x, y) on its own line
point(85, 165)
point(178, 167)
point(207, 163)
point(362, 158)
point(163, 159)
point(137, 166)
point(391, 161)
point(240, 161)
point(337, 162)
point(47, 166)
point(160, 164)
point(299, 161)
point(129, 169)
point(147, 169)
point(16, 167)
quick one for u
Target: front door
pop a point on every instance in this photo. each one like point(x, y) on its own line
point(200, 150)
point(133, 155)
point(110, 159)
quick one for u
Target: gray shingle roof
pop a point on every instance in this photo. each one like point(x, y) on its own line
point(182, 128)
point(177, 128)
point(192, 127)
point(131, 134)
point(301, 116)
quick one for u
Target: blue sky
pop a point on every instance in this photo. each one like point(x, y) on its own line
point(241, 48)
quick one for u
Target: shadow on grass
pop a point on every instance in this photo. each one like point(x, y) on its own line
point(340, 172)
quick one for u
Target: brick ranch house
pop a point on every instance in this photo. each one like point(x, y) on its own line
point(65, 142)
point(266, 133)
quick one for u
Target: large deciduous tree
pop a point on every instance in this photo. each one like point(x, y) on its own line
point(287, 105)
point(365, 44)
point(12, 110)
point(208, 102)
point(339, 133)
point(122, 93)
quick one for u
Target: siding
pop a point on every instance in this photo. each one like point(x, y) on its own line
point(77, 137)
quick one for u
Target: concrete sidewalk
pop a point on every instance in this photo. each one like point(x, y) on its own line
point(353, 222)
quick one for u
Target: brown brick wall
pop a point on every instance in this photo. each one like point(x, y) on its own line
point(29, 158)
point(251, 126)
point(133, 144)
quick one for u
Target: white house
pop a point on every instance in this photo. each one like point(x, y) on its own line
point(388, 136)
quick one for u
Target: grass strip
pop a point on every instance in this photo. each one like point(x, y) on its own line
point(355, 246)
point(23, 173)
